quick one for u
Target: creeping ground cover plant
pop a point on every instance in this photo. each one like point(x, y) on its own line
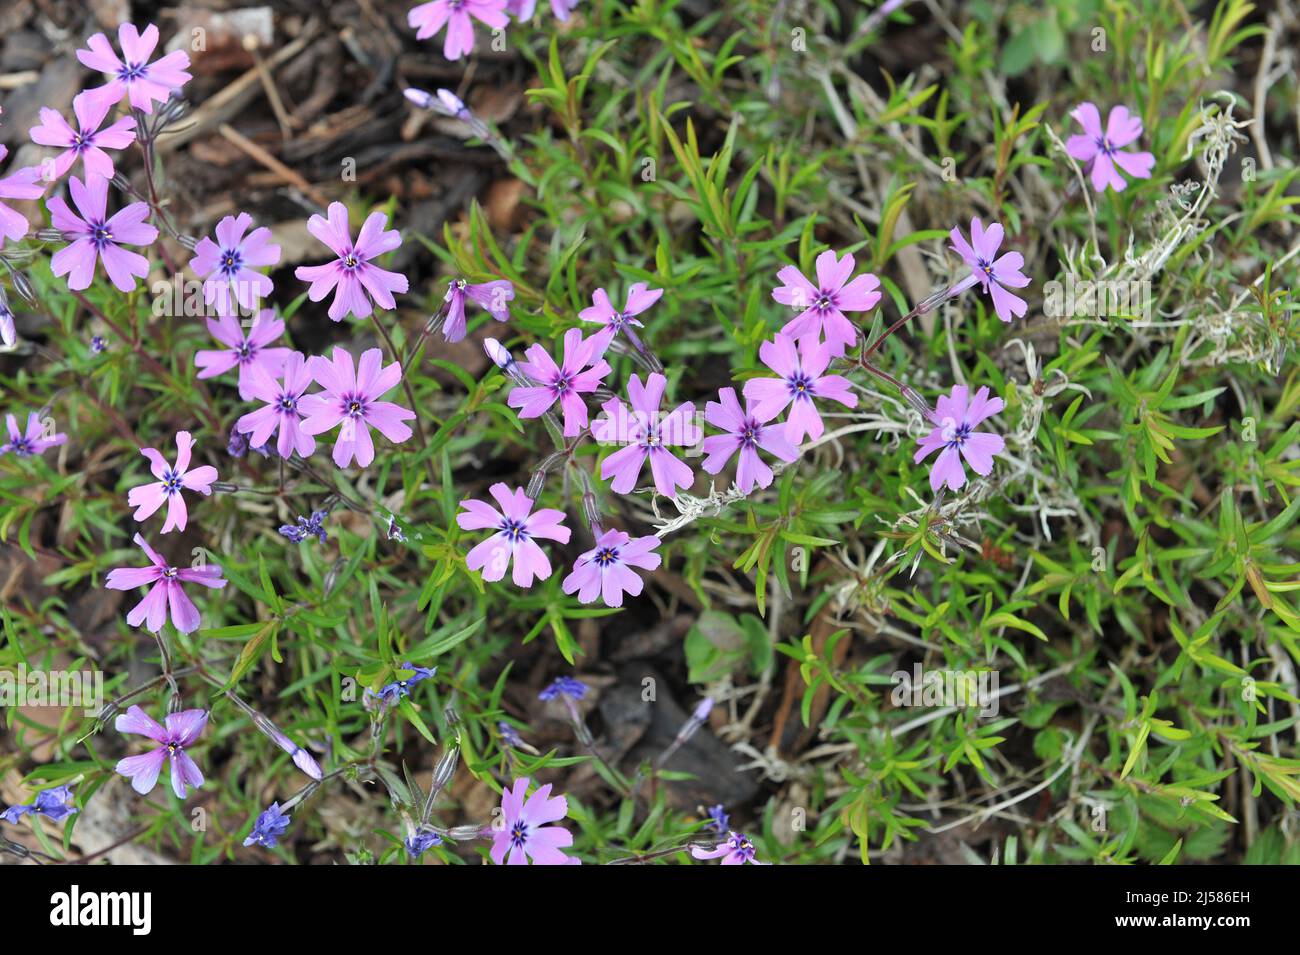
point(650, 433)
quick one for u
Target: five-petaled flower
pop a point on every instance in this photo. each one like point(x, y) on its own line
point(147, 498)
point(516, 526)
point(989, 269)
point(735, 850)
point(95, 235)
point(606, 571)
point(283, 408)
point(245, 349)
point(351, 402)
point(428, 18)
point(801, 381)
point(55, 804)
point(565, 383)
point(521, 833)
point(142, 83)
point(493, 297)
point(87, 142)
point(639, 298)
point(824, 304)
point(165, 591)
point(20, 184)
point(1102, 151)
point(35, 440)
point(269, 826)
point(354, 272)
point(646, 435)
point(748, 431)
point(181, 732)
point(227, 265)
point(955, 418)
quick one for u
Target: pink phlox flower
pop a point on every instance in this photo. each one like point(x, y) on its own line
point(24, 183)
point(142, 83)
point(351, 401)
point(428, 18)
point(801, 380)
point(736, 850)
point(639, 298)
point(516, 525)
point(565, 383)
point(94, 236)
point(245, 349)
point(824, 304)
point(354, 272)
point(493, 297)
point(87, 142)
point(165, 591)
point(33, 441)
point(1104, 151)
point(523, 834)
point(283, 409)
point(227, 265)
point(954, 437)
point(747, 433)
point(181, 732)
point(989, 269)
point(647, 435)
point(147, 498)
point(606, 572)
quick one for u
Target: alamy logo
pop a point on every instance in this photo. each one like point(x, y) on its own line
point(961, 688)
point(23, 687)
point(74, 908)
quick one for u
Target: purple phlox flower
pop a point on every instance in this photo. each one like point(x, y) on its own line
point(492, 296)
point(647, 435)
point(1103, 151)
point(245, 349)
point(801, 381)
point(55, 804)
point(87, 142)
point(420, 840)
point(954, 419)
point(606, 572)
point(282, 412)
point(301, 758)
point(719, 822)
point(98, 236)
point(306, 527)
point(565, 383)
point(517, 527)
point(523, 10)
point(990, 270)
point(165, 591)
point(824, 304)
point(133, 76)
point(390, 693)
point(22, 183)
point(354, 272)
point(181, 732)
point(351, 401)
point(639, 298)
point(395, 532)
point(564, 686)
point(271, 824)
point(147, 498)
point(445, 102)
point(522, 831)
point(227, 265)
point(36, 440)
point(8, 331)
point(237, 445)
point(736, 850)
point(428, 18)
point(98, 344)
point(748, 431)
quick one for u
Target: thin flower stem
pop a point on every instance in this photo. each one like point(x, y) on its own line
point(406, 386)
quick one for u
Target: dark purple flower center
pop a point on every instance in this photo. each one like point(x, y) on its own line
point(132, 71)
point(80, 141)
point(519, 834)
point(513, 530)
point(245, 351)
point(1104, 145)
point(231, 261)
point(985, 266)
point(170, 573)
point(100, 234)
point(605, 556)
point(22, 447)
point(801, 385)
point(562, 384)
point(354, 406)
point(824, 302)
point(287, 404)
point(953, 433)
point(351, 260)
point(171, 483)
point(749, 433)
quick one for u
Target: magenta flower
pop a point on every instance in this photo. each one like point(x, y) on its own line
point(522, 830)
point(989, 270)
point(564, 383)
point(801, 380)
point(227, 265)
point(283, 408)
point(32, 442)
point(825, 303)
point(87, 142)
point(20, 184)
point(353, 273)
point(736, 850)
point(133, 76)
point(428, 18)
point(606, 572)
point(747, 433)
point(639, 297)
point(491, 296)
point(165, 591)
point(97, 236)
point(183, 730)
point(954, 419)
point(351, 402)
point(646, 435)
point(147, 498)
point(516, 525)
point(1103, 151)
point(245, 349)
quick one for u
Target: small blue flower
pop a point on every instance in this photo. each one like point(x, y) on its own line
point(564, 686)
point(55, 804)
point(98, 344)
point(392, 692)
point(270, 826)
point(394, 531)
point(509, 734)
point(306, 527)
point(420, 840)
point(720, 821)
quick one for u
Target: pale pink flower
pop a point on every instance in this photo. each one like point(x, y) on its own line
point(147, 498)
